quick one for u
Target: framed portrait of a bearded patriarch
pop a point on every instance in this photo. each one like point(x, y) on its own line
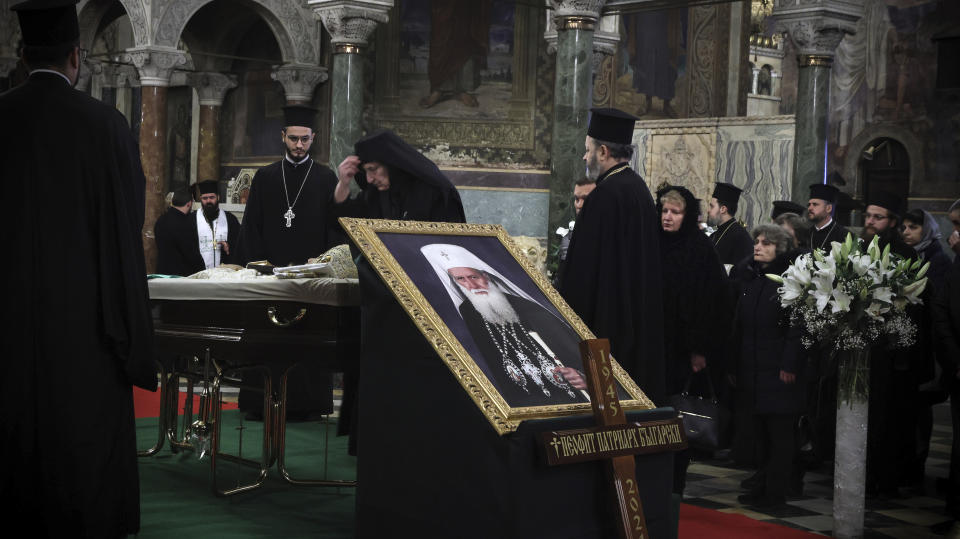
point(505, 334)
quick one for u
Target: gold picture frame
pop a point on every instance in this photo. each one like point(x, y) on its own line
point(369, 236)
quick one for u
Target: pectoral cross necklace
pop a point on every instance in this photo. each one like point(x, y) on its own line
point(283, 174)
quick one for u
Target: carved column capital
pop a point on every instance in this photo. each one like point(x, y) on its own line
point(155, 64)
point(576, 12)
point(605, 39)
point(211, 86)
point(582, 15)
point(816, 27)
point(350, 22)
point(299, 80)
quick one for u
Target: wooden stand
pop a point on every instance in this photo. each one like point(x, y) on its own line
point(615, 440)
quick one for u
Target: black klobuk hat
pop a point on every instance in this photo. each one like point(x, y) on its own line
point(48, 23)
point(299, 115)
point(824, 192)
point(207, 187)
point(611, 125)
point(886, 200)
point(727, 194)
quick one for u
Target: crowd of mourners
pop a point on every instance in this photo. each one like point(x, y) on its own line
point(726, 332)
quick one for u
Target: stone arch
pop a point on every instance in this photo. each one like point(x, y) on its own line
point(851, 162)
point(91, 12)
point(286, 19)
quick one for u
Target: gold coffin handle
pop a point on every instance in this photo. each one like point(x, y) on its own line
point(274, 316)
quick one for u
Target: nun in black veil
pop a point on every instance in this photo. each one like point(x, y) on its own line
point(396, 182)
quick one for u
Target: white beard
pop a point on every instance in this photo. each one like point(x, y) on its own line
point(493, 306)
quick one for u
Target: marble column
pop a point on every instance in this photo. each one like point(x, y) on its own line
point(211, 89)
point(812, 115)
point(571, 104)
point(350, 24)
point(155, 65)
point(815, 28)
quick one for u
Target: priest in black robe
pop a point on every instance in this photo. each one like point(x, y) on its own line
point(177, 252)
point(286, 221)
point(77, 326)
point(731, 239)
point(219, 229)
point(820, 212)
point(287, 218)
point(611, 277)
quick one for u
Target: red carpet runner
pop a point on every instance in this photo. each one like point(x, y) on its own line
point(697, 523)
point(147, 404)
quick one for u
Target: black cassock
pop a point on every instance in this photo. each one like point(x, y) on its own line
point(177, 252)
point(821, 239)
point(265, 235)
point(76, 318)
point(558, 336)
point(611, 278)
point(733, 242)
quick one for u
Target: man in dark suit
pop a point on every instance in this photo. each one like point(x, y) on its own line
point(76, 321)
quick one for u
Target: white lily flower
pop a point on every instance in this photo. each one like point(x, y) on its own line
point(562, 231)
point(841, 301)
point(860, 263)
point(823, 289)
point(876, 310)
point(913, 290)
point(884, 294)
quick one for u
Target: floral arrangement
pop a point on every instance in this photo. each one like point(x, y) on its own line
point(850, 297)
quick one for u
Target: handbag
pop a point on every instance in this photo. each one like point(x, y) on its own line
point(704, 419)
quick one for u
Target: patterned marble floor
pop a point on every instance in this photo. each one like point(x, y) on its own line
point(715, 484)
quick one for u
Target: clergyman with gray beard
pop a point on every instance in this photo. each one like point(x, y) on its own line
point(530, 354)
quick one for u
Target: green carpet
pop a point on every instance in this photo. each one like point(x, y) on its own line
point(176, 499)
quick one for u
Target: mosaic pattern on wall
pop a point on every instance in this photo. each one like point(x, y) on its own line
point(754, 154)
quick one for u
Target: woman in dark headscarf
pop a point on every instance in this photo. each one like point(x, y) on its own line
point(921, 231)
point(694, 297)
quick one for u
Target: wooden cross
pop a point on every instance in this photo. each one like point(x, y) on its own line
point(614, 440)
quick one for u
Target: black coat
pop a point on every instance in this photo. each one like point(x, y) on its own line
point(76, 319)
point(767, 343)
point(177, 252)
point(945, 308)
point(611, 278)
point(733, 242)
